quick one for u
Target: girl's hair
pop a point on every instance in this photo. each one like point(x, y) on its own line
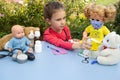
point(51, 8)
point(107, 12)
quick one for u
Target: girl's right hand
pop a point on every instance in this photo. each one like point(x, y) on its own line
point(86, 45)
point(76, 46)
point(83, 45)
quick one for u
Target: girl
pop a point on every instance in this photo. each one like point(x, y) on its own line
point(58, 33)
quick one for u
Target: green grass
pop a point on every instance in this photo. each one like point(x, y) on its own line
point(106, 2)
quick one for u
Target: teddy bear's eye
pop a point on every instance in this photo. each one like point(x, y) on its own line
point(107, 40)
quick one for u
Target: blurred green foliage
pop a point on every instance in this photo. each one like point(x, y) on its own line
point(30, 13)
point(117, 19)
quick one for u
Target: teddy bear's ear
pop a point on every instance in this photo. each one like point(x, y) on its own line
point(37, 32)
point(113, 33)
point(37, 28)
point(117, 38)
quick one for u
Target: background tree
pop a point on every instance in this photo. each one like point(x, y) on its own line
point(117, 19)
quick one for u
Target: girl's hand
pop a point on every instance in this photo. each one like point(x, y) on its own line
point(85, 45)
point(76, 46)
point(74, 40)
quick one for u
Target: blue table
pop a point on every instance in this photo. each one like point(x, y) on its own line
point(48, 66)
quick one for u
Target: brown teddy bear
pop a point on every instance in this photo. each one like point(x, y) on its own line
point(30, 32)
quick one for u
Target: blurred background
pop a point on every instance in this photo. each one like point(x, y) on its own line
point(30, 13)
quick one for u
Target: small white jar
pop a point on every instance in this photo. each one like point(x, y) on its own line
point(38, 46)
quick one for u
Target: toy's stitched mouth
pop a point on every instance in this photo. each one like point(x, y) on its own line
point(104, 47)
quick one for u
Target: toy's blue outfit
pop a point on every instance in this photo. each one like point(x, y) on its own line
point(19, 43)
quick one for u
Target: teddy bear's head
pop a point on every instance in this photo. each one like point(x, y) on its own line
point(32, 32)
point(112, 40)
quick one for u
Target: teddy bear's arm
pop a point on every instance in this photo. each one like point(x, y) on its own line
point(105, 53)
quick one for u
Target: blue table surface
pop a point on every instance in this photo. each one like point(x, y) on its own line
point(48, 66)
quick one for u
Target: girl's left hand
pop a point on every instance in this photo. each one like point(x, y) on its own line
point(74, 40)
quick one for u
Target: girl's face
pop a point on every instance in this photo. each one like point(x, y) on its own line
point(58, 20)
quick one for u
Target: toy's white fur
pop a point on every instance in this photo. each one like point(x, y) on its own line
point(110, 55)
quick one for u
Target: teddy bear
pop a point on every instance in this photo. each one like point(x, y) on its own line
point(109, 50)
point(30, 32)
